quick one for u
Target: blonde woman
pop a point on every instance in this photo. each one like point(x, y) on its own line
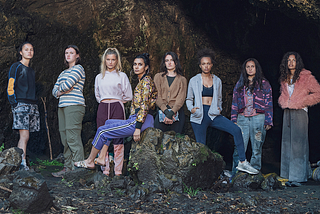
point(112, 89)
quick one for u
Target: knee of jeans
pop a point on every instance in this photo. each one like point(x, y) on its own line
point(258, 136)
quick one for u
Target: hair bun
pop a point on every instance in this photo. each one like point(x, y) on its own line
point(146, 55)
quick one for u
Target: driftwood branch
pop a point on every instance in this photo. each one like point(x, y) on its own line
point(5, 188)
point(46, 115)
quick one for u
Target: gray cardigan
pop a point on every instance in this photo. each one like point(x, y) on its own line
point(194, 98)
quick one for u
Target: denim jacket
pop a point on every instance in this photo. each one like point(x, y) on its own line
point(262, 102)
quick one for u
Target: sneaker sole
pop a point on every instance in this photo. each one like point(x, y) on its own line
point(247, 171)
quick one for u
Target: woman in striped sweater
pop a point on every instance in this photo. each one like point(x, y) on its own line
point(69, 90)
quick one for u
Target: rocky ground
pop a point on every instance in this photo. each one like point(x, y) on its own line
point(73, 197)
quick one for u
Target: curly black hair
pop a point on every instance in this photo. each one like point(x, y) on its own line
point(284, 70)
point(206, 52)
point(257, 80)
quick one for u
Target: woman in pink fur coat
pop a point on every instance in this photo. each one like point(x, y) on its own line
point(299, 90)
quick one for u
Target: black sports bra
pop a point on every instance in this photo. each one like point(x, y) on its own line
point(207, 92)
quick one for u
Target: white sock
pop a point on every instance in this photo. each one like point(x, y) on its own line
point(23, 162)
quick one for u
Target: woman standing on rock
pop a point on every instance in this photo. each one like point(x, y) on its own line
point(112, 89)
point(204, 101)
point(144, 99)
point(69, 90)
point(252, 110)
point(299, 90)
point(171, 87)
point(22, 97)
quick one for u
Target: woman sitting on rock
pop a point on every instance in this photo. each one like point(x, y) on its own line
point(112, 89)
point(172, 90)
point(252, 110)
point(299, 90)
point(145, 96)
point(204, 101)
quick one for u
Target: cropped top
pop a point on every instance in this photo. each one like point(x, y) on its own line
point(207, 92)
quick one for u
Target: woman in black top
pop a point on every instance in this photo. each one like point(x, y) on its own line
point(22, 97)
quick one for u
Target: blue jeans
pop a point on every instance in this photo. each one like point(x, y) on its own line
point(220, 123)
point(253, 128)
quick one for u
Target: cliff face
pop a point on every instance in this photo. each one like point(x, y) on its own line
point(131, 26)
point(235, 29)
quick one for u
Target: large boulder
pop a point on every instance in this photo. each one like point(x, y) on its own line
point(30, 193)
point(170, 161)
point(244, 181)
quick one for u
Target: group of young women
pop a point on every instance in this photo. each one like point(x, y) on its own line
point(251, 113)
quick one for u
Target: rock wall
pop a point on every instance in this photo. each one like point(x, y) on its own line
point(236, 30)
point(132, 26)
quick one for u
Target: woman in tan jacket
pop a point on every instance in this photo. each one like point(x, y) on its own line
point(172, 92)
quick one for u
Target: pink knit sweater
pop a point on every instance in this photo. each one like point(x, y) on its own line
point(306, 92)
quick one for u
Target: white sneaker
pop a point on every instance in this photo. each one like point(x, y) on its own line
point(246, 167)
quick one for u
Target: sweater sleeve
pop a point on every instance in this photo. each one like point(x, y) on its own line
point(181, 95)
point(160, 102)
point(190, 96)
point(313, 96)
point(96, 89)
point(268, 103)
point(56, 87)
point(126, 88)
point(234, 107)
point(76, 73)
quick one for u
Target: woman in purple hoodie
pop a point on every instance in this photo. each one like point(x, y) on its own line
point(252, 110)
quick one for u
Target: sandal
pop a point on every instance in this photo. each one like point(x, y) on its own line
point(82, 164)
point(97, 163)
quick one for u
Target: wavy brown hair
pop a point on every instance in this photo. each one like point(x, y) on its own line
point(284, 70)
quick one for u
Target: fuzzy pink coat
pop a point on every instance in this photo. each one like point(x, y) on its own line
point(306, 92)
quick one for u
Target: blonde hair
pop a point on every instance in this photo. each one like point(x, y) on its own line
point(103, 66)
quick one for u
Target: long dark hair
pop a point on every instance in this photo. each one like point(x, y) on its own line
point(176, 60)
point(20, 49)
point(284, 70)
point(256, 81)
point(206, 52)
point(77, 52)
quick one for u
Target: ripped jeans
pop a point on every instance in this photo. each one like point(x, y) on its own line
point(253, 128)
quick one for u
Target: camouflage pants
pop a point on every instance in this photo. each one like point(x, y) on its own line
point(26, 116)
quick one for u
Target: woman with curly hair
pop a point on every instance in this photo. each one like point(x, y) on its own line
point(144, 99)
point(252, 110)
point(299, 90)
point(204, 101)
point(172, 91)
